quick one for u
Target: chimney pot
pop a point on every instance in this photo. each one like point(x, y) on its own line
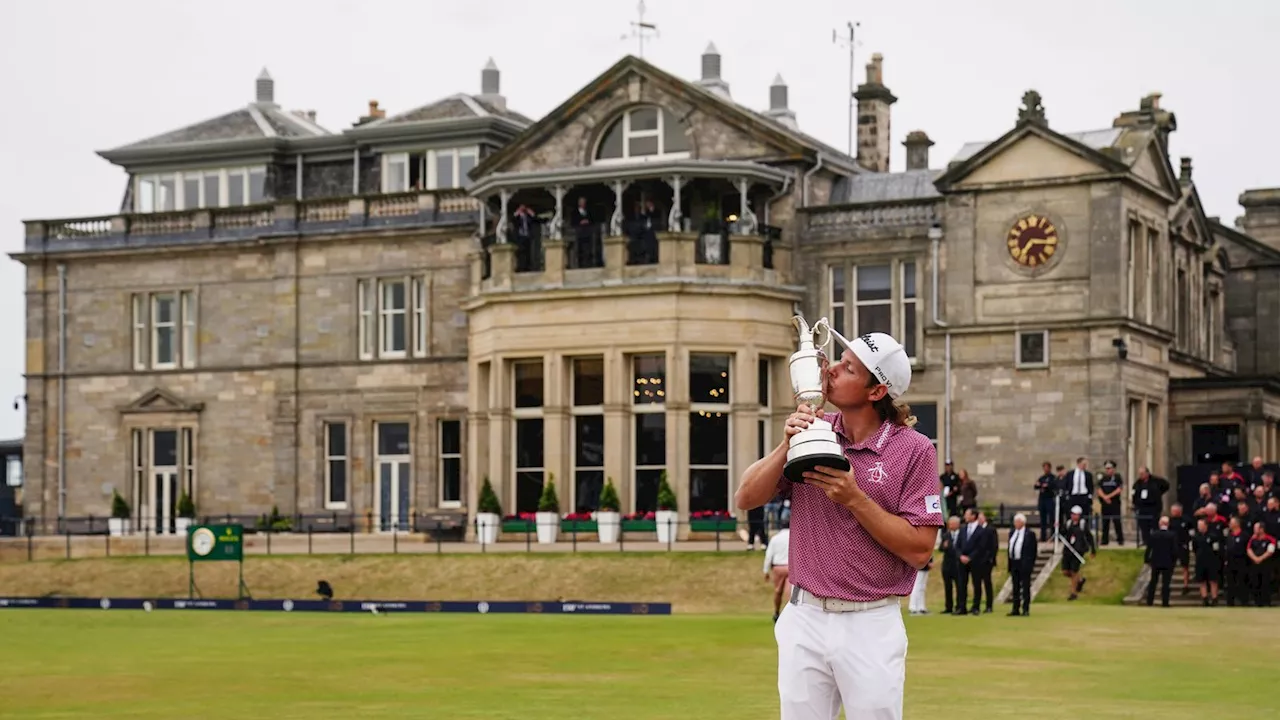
point(265, 87)
point(917, 144)
point(490, 79)
point(711, 79)
point(376, 112)
point(778, 109)
point(1185, 172)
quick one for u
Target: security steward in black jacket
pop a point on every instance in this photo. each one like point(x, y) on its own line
point(1110, 488)
point(951, 565)
point(1182, 529)
point(1262, 551)
point(1148, 501)
point(1206, 545)
point(1161, 552)
point(1047, 489)
point(1236, 554)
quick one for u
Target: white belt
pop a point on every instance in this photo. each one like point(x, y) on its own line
point(835, 605)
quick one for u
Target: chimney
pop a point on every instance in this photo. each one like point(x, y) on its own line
point(1184, 175)
point(917, 144)
point(874, 100)
point(1150, 115)
point(266, 88)
point(711, 79)
point(490, 85)
point(375, 113)
point(778, 109)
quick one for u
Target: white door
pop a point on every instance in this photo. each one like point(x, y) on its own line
point(394, 473)
point(162, 495)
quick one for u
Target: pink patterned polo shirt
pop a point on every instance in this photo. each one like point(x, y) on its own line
point(832, 556)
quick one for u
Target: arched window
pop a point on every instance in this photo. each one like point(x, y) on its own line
point(644, 133)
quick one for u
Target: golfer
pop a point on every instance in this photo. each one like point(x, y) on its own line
point(857, 540)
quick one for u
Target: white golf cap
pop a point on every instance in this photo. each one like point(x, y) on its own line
point(1075, 510)
point(883, 356)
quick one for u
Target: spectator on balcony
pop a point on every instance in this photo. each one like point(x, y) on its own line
point(1206, 545)
point(1046, 488)
point(1261, 551)
point(776, 556)
point(584, 233)
point(526, 235)
point(644, 235)
point(1236, 556)
point(1110, 487)
point(1148, 500)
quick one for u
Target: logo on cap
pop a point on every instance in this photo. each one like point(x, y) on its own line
point(870, 343)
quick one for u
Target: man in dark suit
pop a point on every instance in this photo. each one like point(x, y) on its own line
point(1148, 501)
point(1162, 550)
point(968, 544)
point(1022, 563)
point(1046, 488)
point(984, 560)
point(951, 563)
point(1079, 490)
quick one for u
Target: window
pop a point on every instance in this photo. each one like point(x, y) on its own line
point(650, 424)
point(1153, 417)
point(1033, 349)
point(1151, 281)
point(709, 431)
point(450, 463)
point(926, 420)
point(139, 463)
point(13, 471)
point(164, 330)
point(189, 462)
point(1131, 290)
point(643, 133)
point(764, 373)
point(588, 433)
point(1135, 407)
point(880, 303)
point(1211, 323)
point(194, 189)
point(336, 465)
point(1181, 306)
point(402, 318)
point(527, 395)
point(395, 173)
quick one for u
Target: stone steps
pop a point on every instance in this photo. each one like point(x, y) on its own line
point(1044, 567)
point(1138, 593)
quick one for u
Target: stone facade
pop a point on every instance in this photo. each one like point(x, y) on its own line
point(1146, 327)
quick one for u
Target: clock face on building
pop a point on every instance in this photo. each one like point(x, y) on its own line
point(1032, 240)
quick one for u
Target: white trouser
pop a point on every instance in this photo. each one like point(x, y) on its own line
point(916, 603)
point(858, 659)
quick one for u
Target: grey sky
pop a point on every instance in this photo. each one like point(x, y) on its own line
point(81, 76)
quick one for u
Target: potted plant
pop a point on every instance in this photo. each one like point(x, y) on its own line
point(186, 514)
point(666, 518)
point(608, 521)
point(119, 523)
point(488, 514)
point(548, 517)
point(712, 521)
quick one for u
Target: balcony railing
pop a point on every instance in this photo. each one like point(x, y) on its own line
point(717, 253)
point(319, 215)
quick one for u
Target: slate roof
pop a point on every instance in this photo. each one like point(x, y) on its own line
point(257, 120)
point(449, 108)
point(885, 187)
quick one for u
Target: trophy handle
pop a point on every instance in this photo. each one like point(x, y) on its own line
point(821, 334)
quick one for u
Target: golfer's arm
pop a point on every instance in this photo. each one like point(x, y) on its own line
point(913, 544)
point(760, 481)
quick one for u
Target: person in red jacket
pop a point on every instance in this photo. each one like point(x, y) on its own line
point(1262, 548)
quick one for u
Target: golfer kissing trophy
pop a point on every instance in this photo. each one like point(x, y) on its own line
point(817, 444)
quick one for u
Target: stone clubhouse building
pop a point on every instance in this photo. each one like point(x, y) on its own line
point(358, 327)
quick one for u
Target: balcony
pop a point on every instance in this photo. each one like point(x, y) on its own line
point(719, 253)
point(284, 217)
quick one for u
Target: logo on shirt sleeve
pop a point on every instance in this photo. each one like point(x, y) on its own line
point(932, 504)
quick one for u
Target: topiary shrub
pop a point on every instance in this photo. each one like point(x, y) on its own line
point(119, 506)
point(488, 502)
point(666, 498)
point(609, 497)
point(549, 502)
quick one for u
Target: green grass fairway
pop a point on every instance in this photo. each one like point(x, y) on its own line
point(1066, 661)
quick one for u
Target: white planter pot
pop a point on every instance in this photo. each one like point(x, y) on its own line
point(608, 524)
point(181, 525)
point(668, 525)
point(548, 527)
point(487, 526)
point(117, 526)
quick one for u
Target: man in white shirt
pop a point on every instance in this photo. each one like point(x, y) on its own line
point(776, 554)
point(916, 604)
point(1079, 488)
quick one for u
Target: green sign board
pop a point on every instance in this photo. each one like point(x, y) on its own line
point(215, 542)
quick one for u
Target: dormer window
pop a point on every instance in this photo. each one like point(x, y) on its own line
point(642, 134)
point(195, 189)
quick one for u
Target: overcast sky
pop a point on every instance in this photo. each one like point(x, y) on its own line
point(82, 76)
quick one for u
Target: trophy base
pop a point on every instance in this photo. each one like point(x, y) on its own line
point(795, 469)
point(815, 445)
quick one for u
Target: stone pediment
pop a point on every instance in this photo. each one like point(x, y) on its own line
point(716, 128)
point(159, 400)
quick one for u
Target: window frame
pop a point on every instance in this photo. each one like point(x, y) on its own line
point(221, 194)
point(647, 408)
point(389, 159)
point(11, 463)
point(720, 409)
point(525, 413)
point(145, 330)
point(372, 317)
point(628, 135)
point(1018, 361)
point(328, 458)
point(443, 456)
point(576, 411)
point(899, 305)
point(764, 434)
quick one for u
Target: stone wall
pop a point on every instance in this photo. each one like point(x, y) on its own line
point(1253, 318)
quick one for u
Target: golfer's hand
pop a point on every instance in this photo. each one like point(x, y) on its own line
point(798, 420)
point(839, 485)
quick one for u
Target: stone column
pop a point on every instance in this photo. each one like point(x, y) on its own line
point(501, 231)
point(746, 217)
point(555, 432)
point(615, 256)
point(746, 413)
point(555, 229)
point(677, 382)
point(617, 425)
point(675, 216)
point(553, 269)
point(615, 220)
point(502, 265)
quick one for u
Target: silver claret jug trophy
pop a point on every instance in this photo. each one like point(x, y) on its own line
point(817, 444)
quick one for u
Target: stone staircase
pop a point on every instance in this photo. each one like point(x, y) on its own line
point(1046, 563)
point(1177, 598)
